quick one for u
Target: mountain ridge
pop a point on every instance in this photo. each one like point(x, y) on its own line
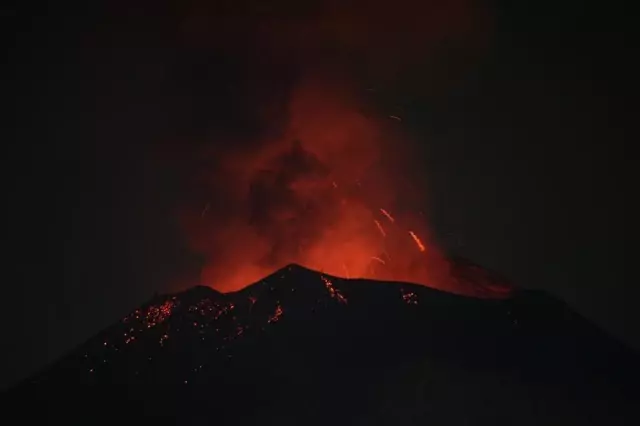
point(301, 329)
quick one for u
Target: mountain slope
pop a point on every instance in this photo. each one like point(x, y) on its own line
point(303, 347)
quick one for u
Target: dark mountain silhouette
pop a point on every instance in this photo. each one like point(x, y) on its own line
point(301, 347)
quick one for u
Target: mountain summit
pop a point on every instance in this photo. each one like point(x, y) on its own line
point(303, 347)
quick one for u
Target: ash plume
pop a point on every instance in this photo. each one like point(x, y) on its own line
point(319, 181)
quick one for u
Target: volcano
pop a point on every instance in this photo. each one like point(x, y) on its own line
point(304, 347)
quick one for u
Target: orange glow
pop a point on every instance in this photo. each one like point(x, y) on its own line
point(326, 167)
point(311, 196)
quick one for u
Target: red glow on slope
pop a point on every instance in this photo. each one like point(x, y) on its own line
point(333, 291)
point(153, 315)
point(276, 315)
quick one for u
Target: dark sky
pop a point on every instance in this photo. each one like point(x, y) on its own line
point(521, 138)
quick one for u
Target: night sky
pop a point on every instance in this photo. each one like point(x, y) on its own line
point(516, 120)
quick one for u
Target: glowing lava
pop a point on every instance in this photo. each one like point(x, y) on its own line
point(333, 291)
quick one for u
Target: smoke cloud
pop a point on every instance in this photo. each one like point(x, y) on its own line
point(324, 182)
